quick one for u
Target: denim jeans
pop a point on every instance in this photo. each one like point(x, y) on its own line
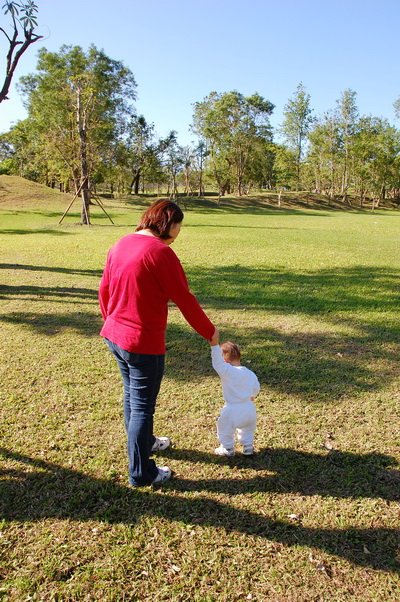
point(141, 376)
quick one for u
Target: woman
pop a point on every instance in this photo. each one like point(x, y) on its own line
point(141, 275)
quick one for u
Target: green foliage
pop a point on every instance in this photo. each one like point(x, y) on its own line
point(232, 124)
point(297, 124)
point(74, 91)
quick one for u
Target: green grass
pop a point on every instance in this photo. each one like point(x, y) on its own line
point(312, 296)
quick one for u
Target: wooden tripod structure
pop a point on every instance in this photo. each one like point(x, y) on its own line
point(92, 196)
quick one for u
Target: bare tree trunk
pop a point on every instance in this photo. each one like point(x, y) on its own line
point(85, 191)
point(201, 187)
point(15, 50)
point(135, 182)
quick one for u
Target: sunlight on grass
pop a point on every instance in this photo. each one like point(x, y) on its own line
point(312, 297)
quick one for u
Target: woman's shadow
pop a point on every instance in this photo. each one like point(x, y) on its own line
point(34, 489)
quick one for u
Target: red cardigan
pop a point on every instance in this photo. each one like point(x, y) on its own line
point(141, 275)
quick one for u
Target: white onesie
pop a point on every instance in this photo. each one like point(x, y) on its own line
point(238, 414)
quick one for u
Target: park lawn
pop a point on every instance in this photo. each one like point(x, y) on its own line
point(312, 296)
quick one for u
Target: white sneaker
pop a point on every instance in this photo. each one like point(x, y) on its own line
point(160, 444)
point(164, 474)
point(248, 450)
point(223, 451)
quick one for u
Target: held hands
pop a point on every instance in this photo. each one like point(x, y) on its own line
point(215, 338)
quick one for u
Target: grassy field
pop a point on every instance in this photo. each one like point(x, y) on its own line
point(312, 296)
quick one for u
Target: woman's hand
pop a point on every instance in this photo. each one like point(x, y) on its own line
point(215, 337)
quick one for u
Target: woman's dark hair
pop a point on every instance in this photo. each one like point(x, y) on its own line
point(160, 216)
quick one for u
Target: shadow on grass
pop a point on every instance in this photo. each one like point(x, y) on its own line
point(317, 366)
point(239, 206)
point(34, 231)
point(40, 490)
point(52, 293)
point(357, 288)
point(45, 268)
point(335, 473)
point(82, 322)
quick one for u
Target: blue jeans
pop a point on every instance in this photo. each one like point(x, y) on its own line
point(141, 377)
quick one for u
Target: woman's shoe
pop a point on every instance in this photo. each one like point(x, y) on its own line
point(164, 474)
point(160, 444)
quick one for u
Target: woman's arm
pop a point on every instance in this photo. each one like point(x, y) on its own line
point(173, 280)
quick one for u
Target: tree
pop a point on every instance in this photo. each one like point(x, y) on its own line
point(324, 152)
point(231, 123)
point(23, 17)
point(80, 103)
point(347, 121)
point(144, 150)
point(200, 154)
point(296, 124)
point(174, 160)
point(260, 172)
point(284, 166)
point(140, 141)
point(376, 157)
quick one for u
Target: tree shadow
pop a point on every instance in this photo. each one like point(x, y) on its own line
point(317, 367)
point(336, 473)
point(40, 489)
point(19, 231)
point(318, 291)
point(237, 206)
point(54, 293)
point(82, 322)
point(45, 268)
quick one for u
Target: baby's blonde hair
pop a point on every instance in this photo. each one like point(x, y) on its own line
point(231, 351)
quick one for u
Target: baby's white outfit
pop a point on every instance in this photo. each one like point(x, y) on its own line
point(238, 414)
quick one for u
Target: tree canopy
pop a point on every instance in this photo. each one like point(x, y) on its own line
point(79, 104)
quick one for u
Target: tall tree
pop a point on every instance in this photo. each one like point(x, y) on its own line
point(140, 143)
point(347, 120)
point(296, 124)
point(377, 156)
point(323, 155)
point(23, 22)
point(230, 123)
point(80, 103)
point(173, 160)
point(145, 150)
point(200, 154)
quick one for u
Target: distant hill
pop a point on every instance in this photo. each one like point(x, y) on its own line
point(19, 193)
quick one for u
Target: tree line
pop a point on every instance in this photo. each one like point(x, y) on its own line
point(82, 132)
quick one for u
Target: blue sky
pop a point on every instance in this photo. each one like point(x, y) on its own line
point(179, 51)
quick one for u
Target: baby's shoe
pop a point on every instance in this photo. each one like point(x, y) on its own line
point(248, 450)
point(223, 451)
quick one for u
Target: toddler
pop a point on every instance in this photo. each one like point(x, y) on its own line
point(239, 388)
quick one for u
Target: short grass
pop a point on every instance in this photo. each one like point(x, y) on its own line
point(312, 296)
